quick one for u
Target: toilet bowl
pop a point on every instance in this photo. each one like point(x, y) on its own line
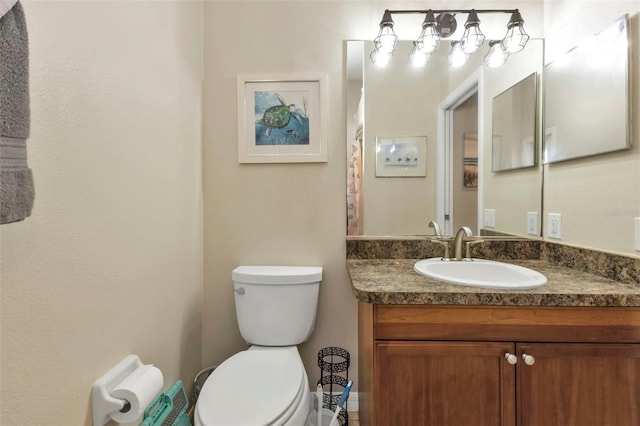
point(259, 386)
point(265, 385)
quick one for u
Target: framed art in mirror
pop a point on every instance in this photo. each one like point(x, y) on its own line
point(282, 118)
point(401, 156)
point(470, 160)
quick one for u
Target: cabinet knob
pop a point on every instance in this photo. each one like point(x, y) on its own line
point(511, 358)
point(528, 359)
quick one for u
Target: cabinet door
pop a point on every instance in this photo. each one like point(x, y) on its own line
point(579, 384)
point(443, 384)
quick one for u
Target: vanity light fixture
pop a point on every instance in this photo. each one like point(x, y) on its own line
point(387, 39)
point(439, 24)
point(428, 40)
point(515, 39)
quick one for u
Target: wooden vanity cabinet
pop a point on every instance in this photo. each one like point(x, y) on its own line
point(443, 383)
point(579, 384)
point(447, 366)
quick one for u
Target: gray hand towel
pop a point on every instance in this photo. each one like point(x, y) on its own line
point(16, 180)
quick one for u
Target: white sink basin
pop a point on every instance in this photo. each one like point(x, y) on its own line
point(481, 273)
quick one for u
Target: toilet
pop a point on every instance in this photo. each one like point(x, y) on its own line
point(267, 383)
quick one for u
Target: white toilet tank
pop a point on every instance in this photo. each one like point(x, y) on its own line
point(276, 305)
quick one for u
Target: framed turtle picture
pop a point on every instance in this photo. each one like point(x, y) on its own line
point(282, 118)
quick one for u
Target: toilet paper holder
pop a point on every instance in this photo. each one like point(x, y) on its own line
point(103, 403)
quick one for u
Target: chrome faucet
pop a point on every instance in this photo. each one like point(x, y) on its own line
point(458, 242)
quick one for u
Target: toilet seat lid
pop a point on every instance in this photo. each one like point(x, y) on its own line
point(241, 391)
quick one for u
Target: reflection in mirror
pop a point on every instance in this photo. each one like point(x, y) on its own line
point(514, 126)
point(586, 108)
point(355, 132)
point(512, 201)
point(399, 101)
point(470, 161)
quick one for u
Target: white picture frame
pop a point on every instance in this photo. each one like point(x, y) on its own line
point(282, 118)
point(401, 156)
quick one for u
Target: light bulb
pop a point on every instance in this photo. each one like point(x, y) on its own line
point(417, 57)
point(380, 59)
point(386, 40)
point(457, 57)
point(496, 57)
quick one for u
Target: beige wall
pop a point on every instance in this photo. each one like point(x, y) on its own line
point(292, 214)
point(110, 262)
point(599, 196)
point(465, 199)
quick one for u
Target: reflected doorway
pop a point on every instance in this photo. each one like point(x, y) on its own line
point(459, 152)
point(464, 143)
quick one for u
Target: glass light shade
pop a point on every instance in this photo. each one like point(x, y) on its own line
point(515, 39)
point(496, 57)
point(457, 57)
point(380, 59)
point(386, 40)
point(472, 39)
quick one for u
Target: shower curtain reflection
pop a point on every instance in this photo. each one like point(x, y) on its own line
point(354, 177)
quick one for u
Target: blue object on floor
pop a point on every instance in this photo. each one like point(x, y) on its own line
point(168, 409)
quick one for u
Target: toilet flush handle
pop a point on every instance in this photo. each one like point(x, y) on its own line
point(240, 291)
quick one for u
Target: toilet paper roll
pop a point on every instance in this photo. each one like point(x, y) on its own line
point(139, 389)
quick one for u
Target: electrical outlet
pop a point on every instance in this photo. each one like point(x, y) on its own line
point(637, 242)
point(532, 223)
point(490, 218)
point(555, 226)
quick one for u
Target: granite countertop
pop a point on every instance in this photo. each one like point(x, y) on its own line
point(393, 281)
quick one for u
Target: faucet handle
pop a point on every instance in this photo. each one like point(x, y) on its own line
point(445, 244)
point(467, 252)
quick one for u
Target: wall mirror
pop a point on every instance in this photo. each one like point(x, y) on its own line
point(400, 100)
point(586, 107)
point(514, 126)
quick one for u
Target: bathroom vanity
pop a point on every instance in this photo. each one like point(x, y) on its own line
point(432, 353)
